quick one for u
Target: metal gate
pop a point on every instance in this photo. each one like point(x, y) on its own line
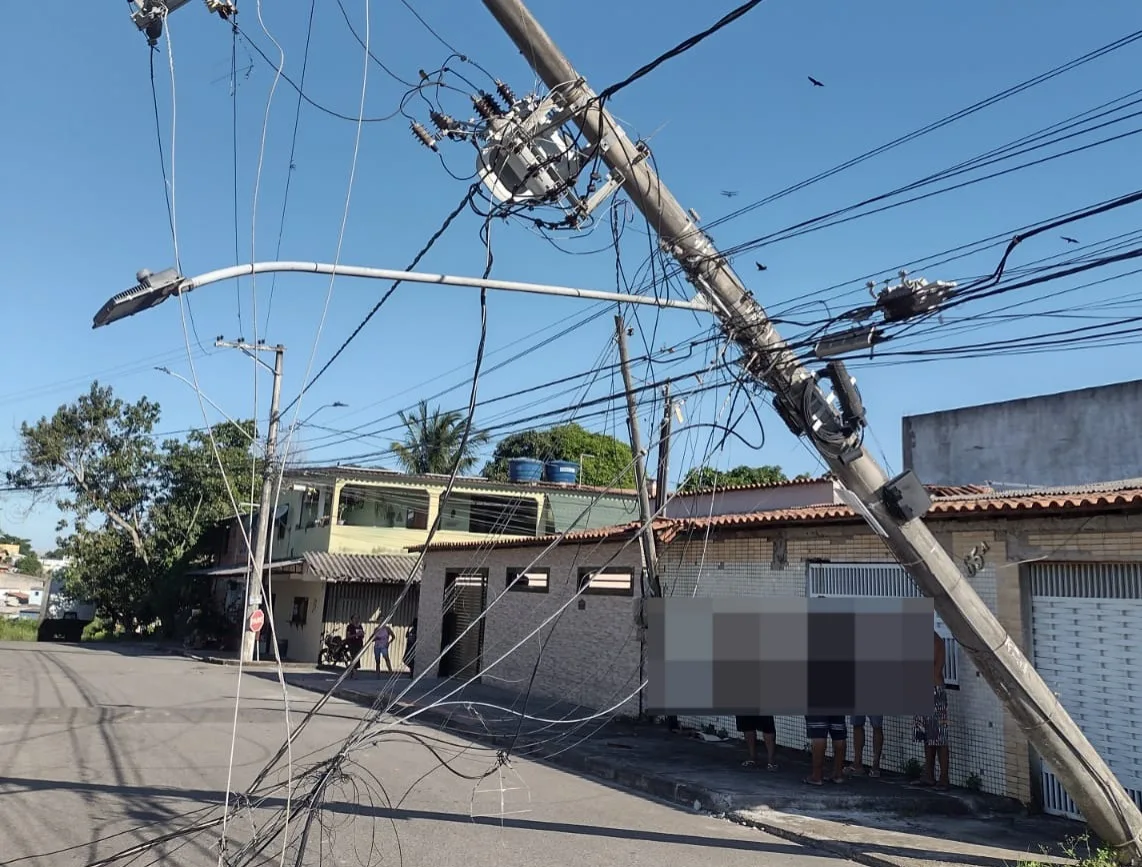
point(1085, 623)
point(465, 596)
point(372, 603)
point(882, 581)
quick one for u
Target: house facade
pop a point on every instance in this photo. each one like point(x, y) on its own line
point(340, 538)
point(365, 510)
point(1060, 569)
point(501, 611)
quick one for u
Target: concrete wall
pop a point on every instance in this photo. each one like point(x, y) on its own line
point(742, 502)
point(592, 655)
point(775, 564)
point(1069, 438)
point(304, 639)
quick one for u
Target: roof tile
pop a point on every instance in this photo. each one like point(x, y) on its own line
point(968, 500)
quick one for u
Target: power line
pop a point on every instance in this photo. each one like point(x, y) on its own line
point(292, 166)
point(416, 260)
point(936, 125)
point(681, 48)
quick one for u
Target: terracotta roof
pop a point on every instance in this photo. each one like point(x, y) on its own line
point(664, 529)
point(934, 490)
point(987, 503)
point(372, 568)
point(972, 500)
point(759, 486)
point(348, 471)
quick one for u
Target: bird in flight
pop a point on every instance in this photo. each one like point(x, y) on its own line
point(1069, 240)
point(729, 194)
point(760, 267)
point(814, 82)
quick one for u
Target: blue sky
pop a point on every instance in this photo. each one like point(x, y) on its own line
point(83, 206)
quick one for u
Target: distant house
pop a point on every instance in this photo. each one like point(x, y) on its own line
point(9, 554)
point(20, 593)
point(341, 538)
point(54, 564)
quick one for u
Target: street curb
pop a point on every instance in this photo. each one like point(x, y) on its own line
point(698, 797)
point(261, 665)
point(850, 851)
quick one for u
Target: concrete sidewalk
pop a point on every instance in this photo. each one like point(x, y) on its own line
point(878, 822)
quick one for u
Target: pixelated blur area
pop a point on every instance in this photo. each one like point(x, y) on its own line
point(729, 656)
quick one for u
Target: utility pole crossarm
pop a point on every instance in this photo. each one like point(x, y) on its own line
point(895, 507)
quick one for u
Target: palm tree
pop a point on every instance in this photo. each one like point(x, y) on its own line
point(432, 442)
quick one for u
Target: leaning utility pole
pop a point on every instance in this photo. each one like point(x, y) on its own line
point(893, 507)
point(259, 540)
point(646, 537)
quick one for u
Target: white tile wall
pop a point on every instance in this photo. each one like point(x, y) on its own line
point(747, 567)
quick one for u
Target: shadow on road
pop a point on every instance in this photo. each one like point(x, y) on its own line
point(14, 786)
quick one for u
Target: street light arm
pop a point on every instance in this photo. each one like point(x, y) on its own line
point(154, 289)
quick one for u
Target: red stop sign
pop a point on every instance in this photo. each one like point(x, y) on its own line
point(257, 619)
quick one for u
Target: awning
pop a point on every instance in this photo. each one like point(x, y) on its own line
point(363, 568)
point(234, 571)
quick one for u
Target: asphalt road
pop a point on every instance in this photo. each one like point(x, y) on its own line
point(101, 750)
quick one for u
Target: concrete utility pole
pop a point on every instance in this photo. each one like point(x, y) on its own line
point(664, 433)
point(649, 554)
point(893, 507)
point(260, 540)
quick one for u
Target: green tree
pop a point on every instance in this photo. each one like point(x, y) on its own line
point(25, 544)
point(137, 510)
point(607, 462)
point(29, 564)
point(432, 442)
point(702, 478)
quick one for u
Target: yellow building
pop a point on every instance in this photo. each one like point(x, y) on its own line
point(340, 539)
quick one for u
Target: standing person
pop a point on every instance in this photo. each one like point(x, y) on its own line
point(820, 729)
point(749, 726)
point(382, 638)
point(410, 647)
point(355, 639)
point(857, 767)
point(932, 731)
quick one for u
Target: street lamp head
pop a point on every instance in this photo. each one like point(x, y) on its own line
point(151, 289)
point(338, 403)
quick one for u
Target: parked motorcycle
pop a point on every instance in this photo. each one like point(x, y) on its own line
point(334, 651)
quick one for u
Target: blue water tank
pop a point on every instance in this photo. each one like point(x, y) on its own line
point(561, 472)
point(525, 470)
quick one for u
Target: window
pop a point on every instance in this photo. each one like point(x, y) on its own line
point(489, 515)
point(383, 507)
point(300, 613)
point(534, 580)
point(607, 581)
point(310, 505)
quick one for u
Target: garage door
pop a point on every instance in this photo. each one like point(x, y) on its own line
point(372, 603)
point(1085, 622)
